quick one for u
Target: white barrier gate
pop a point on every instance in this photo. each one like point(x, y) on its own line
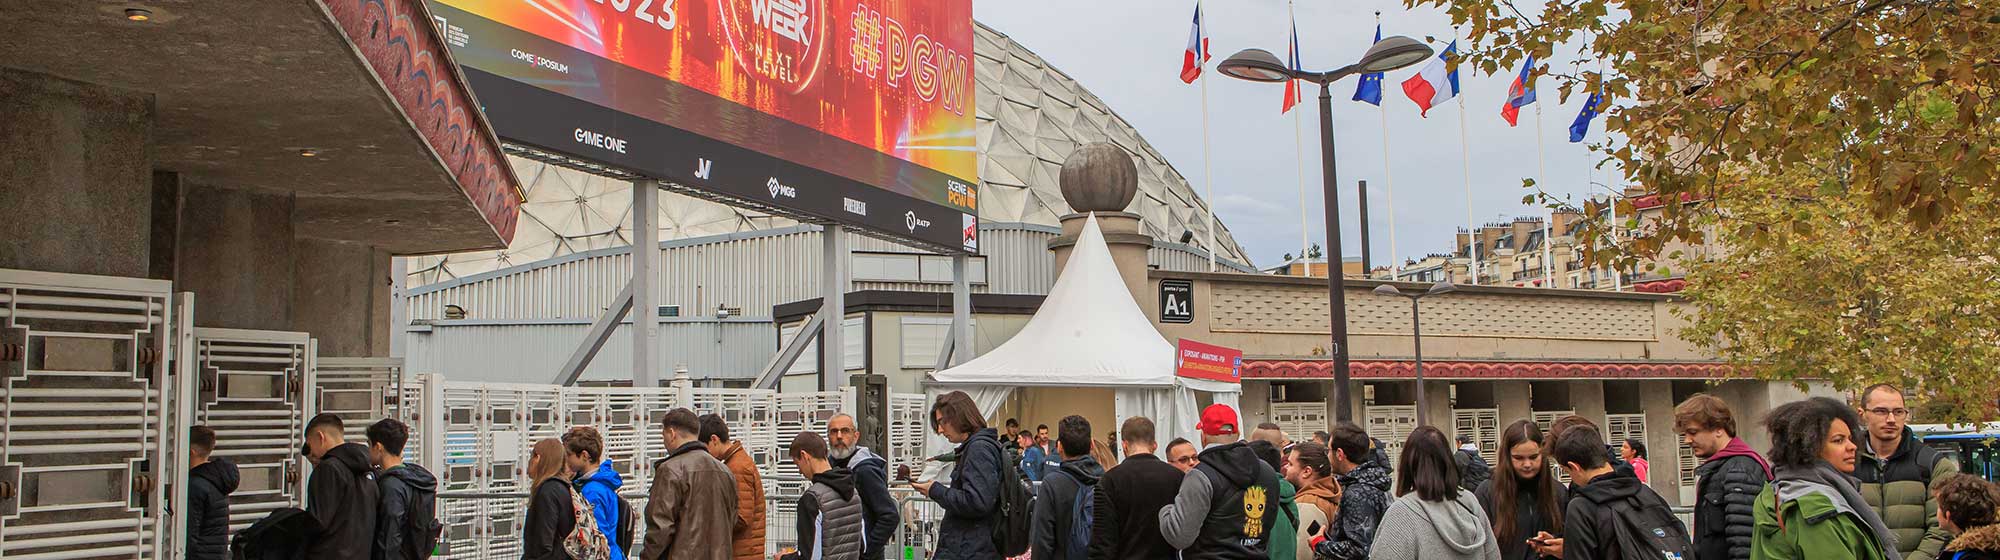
point(252, 389)
point(87, 399)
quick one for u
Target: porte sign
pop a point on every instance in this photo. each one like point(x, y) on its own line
point(1177, 301)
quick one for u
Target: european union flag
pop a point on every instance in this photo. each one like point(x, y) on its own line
point(1581, 128)
point(1370, 90)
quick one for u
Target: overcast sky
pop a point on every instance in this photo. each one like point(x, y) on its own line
point(1128, 52)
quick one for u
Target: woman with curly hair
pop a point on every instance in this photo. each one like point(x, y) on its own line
point(1967, 509)
point(1813, 509)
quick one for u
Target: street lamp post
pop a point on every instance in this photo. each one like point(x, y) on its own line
point(1417, 335)
point(1259, 65)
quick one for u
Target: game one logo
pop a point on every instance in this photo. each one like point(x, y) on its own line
point(781, 42)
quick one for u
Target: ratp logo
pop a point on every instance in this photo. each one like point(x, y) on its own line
point(912, 222)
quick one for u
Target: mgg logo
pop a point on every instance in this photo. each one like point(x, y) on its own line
point(780, 189)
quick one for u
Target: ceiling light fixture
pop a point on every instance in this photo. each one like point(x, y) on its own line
point(138, 14)
point(308, 152)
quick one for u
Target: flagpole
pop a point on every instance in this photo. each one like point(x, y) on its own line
point(1389, 185)
point(1465, 159)
point(1207, 165)
point(1549, 215)
point(1298, 146)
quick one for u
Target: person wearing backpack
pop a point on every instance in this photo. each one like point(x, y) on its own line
point(341, 493)
point(406, 526)
point(1813, 507)
point(1472, 467)
point(1283, 543)
point(1611, 515)
point(871, 479)
point(550, 515)
point(1062, 512)
point(1896, 471)
point(830, 517)
point(972, 501)
point(596, 481)
point(1227, 506)
point(1433, 517)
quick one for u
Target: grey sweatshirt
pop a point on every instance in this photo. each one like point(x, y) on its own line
point(1448, 530)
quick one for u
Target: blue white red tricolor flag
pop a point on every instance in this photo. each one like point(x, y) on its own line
point(1292, 91)
point(1196, 55)
point(1520, 93)
point(1370, 90)
point(1435, 84)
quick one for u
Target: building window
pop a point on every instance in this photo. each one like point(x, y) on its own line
point(853, 340)
point(913, 267)
point(923, 338)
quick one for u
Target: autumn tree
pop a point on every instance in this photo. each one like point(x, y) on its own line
point(1841, 153)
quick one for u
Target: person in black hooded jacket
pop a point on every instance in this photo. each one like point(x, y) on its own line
point(830, 516)
point(1590, 523)
point(1211, 517)
point(1364, 494)
point(1055, 499)
point(972, 499)
point(210, 483)
point(340, 494)
point(408, 510)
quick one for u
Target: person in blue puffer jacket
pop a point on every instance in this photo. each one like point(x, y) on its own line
point(596, 480)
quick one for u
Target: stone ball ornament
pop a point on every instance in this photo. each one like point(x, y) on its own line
point(1099, 177)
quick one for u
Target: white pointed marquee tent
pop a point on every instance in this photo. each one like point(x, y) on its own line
point(1087, 333)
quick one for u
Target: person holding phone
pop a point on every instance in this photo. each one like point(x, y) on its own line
point(1523, 502)
point(1432, 517)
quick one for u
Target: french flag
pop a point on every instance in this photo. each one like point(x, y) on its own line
point(1292, 93)
point(1434, 85)
point(1196, 54)
point(1520, 93)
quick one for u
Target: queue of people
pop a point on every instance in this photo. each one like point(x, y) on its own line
point(1836, 484)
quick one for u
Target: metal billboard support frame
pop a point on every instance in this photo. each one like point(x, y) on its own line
point(645, 270)
point(960, 348)
point(833, 301)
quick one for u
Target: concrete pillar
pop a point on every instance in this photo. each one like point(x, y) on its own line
point(1587, 399)
point(1511, 397)
point(1663, 441)
point(1128, 243)
point(234, 251)
point(1437, 398)
point(76, 188)
point(341, 294)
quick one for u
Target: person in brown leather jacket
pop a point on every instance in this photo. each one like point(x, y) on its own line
point(749, 532)
point(691, 512)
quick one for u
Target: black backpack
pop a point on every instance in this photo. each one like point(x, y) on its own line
point(1646, 529)
point(1473, 470)
point(282, 535)
point(625, 521)
point(1012, 510)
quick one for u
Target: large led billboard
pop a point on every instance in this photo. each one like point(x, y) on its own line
point(855, 111)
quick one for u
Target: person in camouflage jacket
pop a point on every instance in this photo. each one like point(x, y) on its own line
point(1364, 495)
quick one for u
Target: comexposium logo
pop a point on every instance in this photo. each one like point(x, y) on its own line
point(911, 221)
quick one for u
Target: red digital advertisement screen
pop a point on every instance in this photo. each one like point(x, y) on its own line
point(853, 111)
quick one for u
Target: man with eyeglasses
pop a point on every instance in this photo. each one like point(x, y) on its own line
point(871, 480)
point(1896, 471)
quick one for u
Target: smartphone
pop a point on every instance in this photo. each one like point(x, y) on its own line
point(1313, 529)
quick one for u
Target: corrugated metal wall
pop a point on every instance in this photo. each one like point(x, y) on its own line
point(532, 352)
point(750, 271)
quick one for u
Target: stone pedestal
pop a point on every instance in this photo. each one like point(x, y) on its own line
point(1129, 247)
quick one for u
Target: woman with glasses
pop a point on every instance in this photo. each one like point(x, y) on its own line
point(971, 500)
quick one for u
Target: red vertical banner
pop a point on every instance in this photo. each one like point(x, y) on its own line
point(1208, 361)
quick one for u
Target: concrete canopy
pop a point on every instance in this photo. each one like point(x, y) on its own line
point(244, 89)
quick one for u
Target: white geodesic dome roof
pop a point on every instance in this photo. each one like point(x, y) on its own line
point(1031, 116)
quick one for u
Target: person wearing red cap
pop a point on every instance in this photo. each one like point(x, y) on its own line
point(1227, 506)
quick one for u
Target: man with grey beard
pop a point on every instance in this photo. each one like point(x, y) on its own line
point(871, 480)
